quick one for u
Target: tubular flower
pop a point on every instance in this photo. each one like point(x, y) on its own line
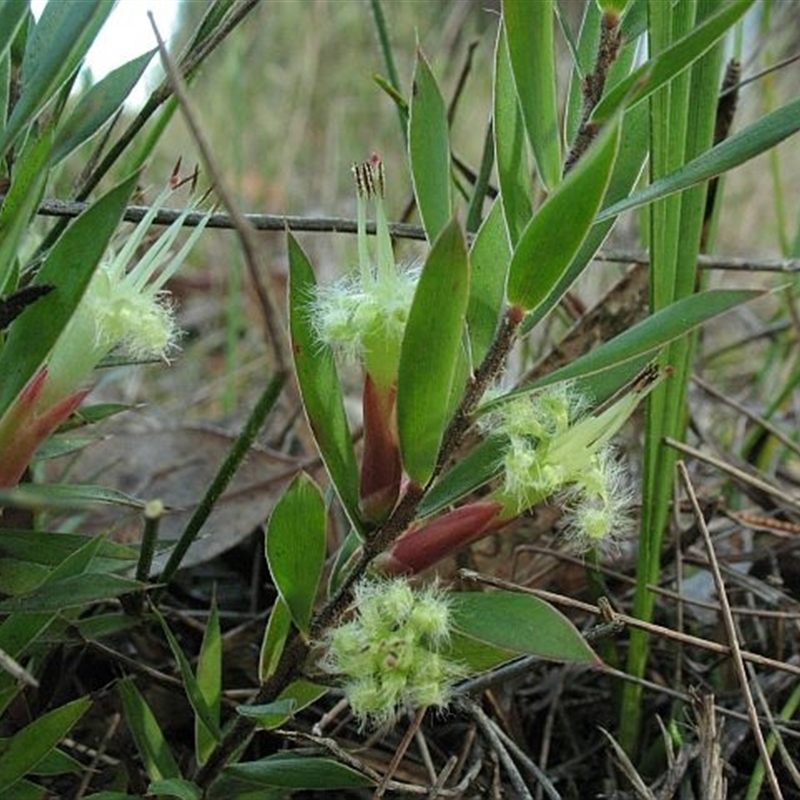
point(389, 654)
point(554, 448)
point(364, 317)
point(123, 310)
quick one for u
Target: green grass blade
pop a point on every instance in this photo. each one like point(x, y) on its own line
point(431, 351)
point(529, 28)
point(429, 151)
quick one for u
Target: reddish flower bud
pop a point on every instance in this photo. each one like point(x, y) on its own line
point(428, 544)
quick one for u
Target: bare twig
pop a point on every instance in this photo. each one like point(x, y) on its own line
point(490, 731)
point(633, 622)
point(250, 246)
point(738, 474)
point(399, 230)
point(730, 629)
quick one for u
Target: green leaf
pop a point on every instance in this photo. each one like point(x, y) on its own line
point(38, 496)
point(71, 593)
point(476, 655)
point(22, 200)
point(560, 226)
point(477, 467)
point(209, 683)
point(295, 771)
point(521, 623)
point(68, 267)
point(295, 697)
point(430, 352)
point(12, 15)
point(489, 259)
point(54, 50)
point(344, 561)
point(197, 700)
point(175, 787)
point(663, 67)
point(153, 747)
point(753, 140)
point(654, 332)
point(529, 29)
point(514, 172)
point(112, 796)
point(634, 144)
point(277, 630)
point(295, 547)
point(30, 745)
point(320, 386)
point(98, 105)
point(429, 151)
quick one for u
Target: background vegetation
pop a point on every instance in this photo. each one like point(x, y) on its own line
point(128, 678)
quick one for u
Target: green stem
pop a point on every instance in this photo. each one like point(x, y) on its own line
point(223, 477)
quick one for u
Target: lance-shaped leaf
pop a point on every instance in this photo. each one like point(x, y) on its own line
point(429, 150)
point(529, 28)
point(514, 172)
point(559, 227)
point(319, 385)
point(293, 771)
point(430, 352)
point(654, 332)
point(203, 712)
point(68, 267)
point(150, 741)
point(753, 140)
point(489, 259)
point(54, 50)
point(98, 105)
point(23, 751)
point(295, 547)
point(11, 17)
point(21, 201)
point(520, 622)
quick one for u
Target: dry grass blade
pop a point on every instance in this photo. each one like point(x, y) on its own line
point(712, 776)
point(626, 765)
point(730, 629)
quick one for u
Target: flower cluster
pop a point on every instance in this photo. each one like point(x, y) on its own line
point(389, 654)
point(554, 448)
point(122, 309)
